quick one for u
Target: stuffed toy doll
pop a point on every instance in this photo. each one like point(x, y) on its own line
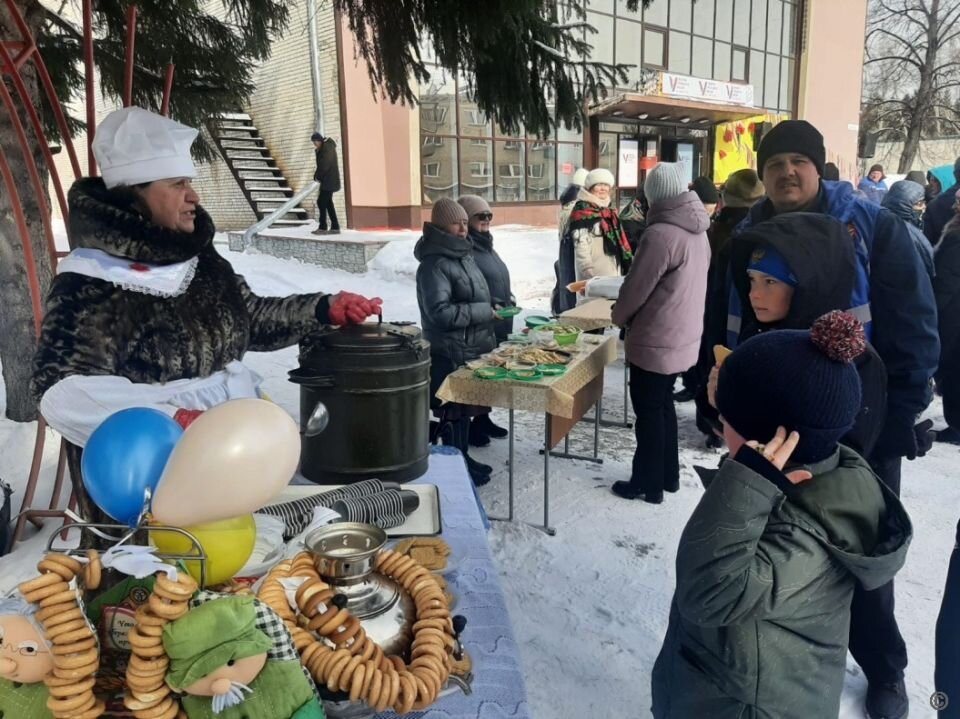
point(25, 660)
point(221, 661)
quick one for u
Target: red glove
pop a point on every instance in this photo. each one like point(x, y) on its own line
point(348, 308)
point(186, 417)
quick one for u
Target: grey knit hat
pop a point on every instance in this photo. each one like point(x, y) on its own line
point(447, 212)
point(664, 182)
point(473, 204)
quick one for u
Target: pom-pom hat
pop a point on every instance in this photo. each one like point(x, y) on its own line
point(802, 380)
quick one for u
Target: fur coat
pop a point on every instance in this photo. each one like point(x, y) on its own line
point(94, 327)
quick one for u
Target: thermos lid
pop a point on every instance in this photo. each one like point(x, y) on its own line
point(375, 336)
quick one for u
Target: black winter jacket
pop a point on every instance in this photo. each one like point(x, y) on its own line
point(946, 288)
point(455, 308)
point(819, 252)
point(93, 327)
point(328, 167)
point(715, 311)
point(497, 275)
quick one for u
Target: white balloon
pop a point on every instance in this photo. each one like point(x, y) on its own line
point(231, 461)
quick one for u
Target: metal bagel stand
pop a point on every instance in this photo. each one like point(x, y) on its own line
point(120, 534)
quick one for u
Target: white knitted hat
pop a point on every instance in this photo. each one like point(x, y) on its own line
point(664, 182)
point(600, 176)
point(134, 145)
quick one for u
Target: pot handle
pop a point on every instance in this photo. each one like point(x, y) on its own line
point(308, 379)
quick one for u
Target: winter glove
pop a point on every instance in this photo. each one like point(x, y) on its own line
point(898, 438)
point(347, 308)
point(925, 436)
point(186, 417)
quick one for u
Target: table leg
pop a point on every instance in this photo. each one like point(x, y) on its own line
point(626, 423)
point(596, 428)
point(546, 478)
point(510, 476)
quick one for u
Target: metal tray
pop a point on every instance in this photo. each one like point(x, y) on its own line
point(424, 522)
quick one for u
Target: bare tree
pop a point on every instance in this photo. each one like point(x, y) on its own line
point(910, 71)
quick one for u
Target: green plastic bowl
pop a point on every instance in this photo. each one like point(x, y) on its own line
point(568, 338)
point(508, 312)
point(538, 321)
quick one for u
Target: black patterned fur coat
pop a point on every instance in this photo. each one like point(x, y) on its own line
point(93, 327)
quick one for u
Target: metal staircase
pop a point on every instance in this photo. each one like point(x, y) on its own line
point(253, 167)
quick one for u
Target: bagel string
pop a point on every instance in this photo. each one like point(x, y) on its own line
point(335, 648)
point(74, 651)
point(147, 695)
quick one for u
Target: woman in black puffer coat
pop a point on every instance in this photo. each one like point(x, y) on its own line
point(497, 275)
point(456, 314)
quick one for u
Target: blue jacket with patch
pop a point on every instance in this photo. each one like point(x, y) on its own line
point(892, 296)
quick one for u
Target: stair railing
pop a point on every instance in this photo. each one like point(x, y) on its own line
point(279, 212)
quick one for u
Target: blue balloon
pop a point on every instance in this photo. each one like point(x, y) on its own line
point(124, 457)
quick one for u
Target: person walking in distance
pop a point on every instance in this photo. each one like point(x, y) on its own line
point(328, 175)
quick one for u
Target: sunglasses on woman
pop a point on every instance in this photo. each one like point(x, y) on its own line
point(484, 216)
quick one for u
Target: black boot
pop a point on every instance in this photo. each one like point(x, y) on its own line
point(478, 435)
point(490, 429)
point(479, 472)
point(887, 701)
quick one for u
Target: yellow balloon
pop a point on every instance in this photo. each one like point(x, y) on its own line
point(227, 544)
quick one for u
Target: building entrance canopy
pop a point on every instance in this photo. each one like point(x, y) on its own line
point(655, 108)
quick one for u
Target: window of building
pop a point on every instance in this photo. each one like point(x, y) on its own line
point(771, 82)
point(680, 14)
point(476, 168)
point(774, 24)
point(739, 71)
point(703, 18)
point(679, 53)
point(758, 24)
point(702, 62)
point(602, 39)
point(741, 23)
point(789, 29)
point(721, 61)
point(440, 171)
point(755, 73)
point(656, 13)
point(724, 20)
point(432, 141)
point(654, 48)
point(479, 169)
point(629, 35)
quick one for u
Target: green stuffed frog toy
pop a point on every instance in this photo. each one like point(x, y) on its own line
point(24, 660)
point(219, 661)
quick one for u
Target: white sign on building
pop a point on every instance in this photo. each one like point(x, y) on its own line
point(697, 88)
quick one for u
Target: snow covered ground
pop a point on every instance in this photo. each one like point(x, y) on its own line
point(589, 606)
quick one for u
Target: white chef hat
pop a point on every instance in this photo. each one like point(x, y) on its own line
point(134, 145)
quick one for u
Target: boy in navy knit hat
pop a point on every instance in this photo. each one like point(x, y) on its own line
point(768, 562)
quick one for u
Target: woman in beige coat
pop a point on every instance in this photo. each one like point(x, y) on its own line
point(599, 242)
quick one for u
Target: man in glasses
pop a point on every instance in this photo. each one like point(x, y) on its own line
point(497, 275)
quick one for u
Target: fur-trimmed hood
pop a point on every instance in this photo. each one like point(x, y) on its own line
point(102, 220)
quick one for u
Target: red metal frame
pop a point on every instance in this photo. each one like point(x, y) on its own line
point(167, 89)
point(14, 54)
point(128, 65)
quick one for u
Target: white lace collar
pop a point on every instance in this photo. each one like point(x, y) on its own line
point(144, 277)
